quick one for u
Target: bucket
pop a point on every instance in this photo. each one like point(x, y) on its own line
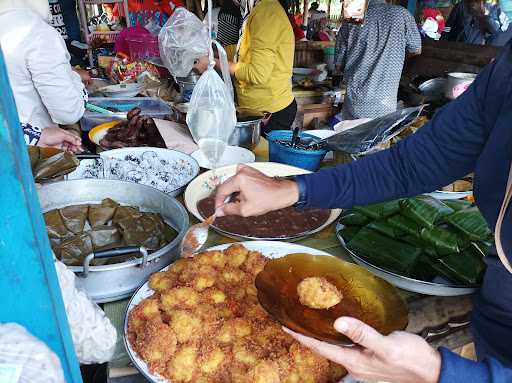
point(329, 58)
point(305, 159)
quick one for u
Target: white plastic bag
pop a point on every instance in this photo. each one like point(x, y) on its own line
point(182, 40)
point(94, 337)
point(25, 359)
point(211, 117)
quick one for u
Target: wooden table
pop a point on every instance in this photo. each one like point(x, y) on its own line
point(425, 312)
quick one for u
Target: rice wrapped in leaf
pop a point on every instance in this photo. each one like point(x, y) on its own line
point(423, 269)
point(384, 227)
point(33, 154)
point(348, 232)
point(100, 215)
point(55, 225)
point(57, 165)
point(125, 213)
point(458, 204)
point(471, 223)
point(353, 218)
point(385, 252)
point(443, 241)
point(405, 224)
point(379, 210)
point(75, 249)
point(165, 233)
point(424, 210)
point(140, 232)
point(105, 237)
point(74, 217)
point(468, 267)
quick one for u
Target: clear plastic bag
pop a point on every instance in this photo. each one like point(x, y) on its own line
point(182, 40)
point(25, 359)
point(364, 138)
point(211, 117)
point(94, 336)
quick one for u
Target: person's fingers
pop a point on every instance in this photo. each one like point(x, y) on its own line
point(341, 355)
point(224, 191)
point(361, 334)
point(232, 208)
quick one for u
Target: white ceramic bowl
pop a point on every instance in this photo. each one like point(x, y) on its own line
point(121, 90)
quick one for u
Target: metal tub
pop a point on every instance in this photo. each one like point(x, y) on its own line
point(246, 133)
point(118, 281)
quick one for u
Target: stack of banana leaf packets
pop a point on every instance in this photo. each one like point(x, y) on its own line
point(421, 238)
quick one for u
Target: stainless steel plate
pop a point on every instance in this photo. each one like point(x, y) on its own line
point(440, 288)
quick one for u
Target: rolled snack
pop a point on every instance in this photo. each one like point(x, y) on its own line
point(318, 293)
point(134, 112)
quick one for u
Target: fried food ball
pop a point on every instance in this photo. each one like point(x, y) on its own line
point(178, 266)
point(255, 312)
point(179, 297)
point(269, 335)
point(147, 309)
point(161, 281)
point(232, 276)
point(265, 371)
point(255, 263)
point(215, 258)
point(310, 366)
point(203, 281)
point(186, 325)
point(194, 270)
point(234, 329)
point(236, 255)
point(247, 352)
point(213, 296)
point(212, 359)
point(318, 293)
point(183, 364)
point(156, 344)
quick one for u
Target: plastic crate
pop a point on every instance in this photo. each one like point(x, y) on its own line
point(150, 106)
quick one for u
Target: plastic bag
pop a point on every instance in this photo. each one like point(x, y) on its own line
point(153, 26)
point(25, 359)
point(211, 117)
point(182, 40)
point(94, 337)
point(363, 138)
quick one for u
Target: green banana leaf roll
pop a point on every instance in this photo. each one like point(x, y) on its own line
point(348, 232)
point(424, 210)
point(471, 223)
point(458, 204)
point(385, 252)
point(443, 241)
point(467, 267)
point(384, 227)
point(405, 224)
point(353, 218)
point(378, 210)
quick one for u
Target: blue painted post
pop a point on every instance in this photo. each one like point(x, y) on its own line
point(29, 289)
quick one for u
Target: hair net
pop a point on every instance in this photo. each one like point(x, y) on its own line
point(183, 39)
point(41, 7)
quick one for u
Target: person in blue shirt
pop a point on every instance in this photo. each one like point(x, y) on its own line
point(471, 134)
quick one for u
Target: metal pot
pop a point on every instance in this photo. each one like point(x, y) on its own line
point(457, 83)
point(117, 281)
point(247, 133)
point(433, 89)
point(187, 85)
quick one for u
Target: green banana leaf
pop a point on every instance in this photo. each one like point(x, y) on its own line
point(467, 267)
point(379, 210)
point(471, 223)
point(384, 227)
point(348, 232)
point(405, 224)
point(424, 210)
point(385, 252)
point(441, 240)
point(353, 218)
point(458, 204)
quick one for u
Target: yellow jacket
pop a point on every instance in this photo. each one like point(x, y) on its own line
point(263, 74)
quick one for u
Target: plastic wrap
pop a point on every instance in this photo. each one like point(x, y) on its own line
point(25, 359)
point(94, 337)
point(182, 40)
point(364, 138)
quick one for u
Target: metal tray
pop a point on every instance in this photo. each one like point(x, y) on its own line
point(118, 281)
point(440, 287)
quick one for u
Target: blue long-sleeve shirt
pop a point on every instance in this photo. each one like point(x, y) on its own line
point(470, 134)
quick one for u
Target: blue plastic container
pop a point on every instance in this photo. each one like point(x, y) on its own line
point(305, 159)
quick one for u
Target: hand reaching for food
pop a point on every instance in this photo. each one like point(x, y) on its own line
point(60, 139)
point(399, 357)
point(258, 193)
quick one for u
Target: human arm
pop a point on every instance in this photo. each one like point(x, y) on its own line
point(340, 49)
point(60, 89)
point(412, 35)
point(52, 138)
point(401, 357)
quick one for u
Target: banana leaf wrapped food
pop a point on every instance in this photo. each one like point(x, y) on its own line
point(385, 252)
point(105, 237)
point(354, 218)
point(348, 232)
point(141, 231)
point(443, 241)
point(57, 165)
point(384, 227)
point(100, 215)
point(424, 210)
point(458, 204)
point(405, 224)
point(74, 217)
point(379, 210)
point(73, 250)
point(55, 225)
point(467, 268)
point(471, 223)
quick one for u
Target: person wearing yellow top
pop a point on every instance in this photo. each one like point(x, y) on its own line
point(263, 65)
